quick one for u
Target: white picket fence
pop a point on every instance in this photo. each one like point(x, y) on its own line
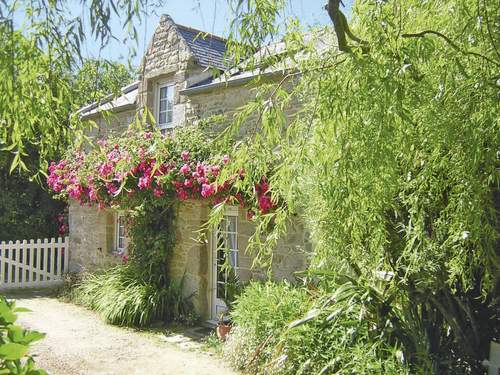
point(32, 264)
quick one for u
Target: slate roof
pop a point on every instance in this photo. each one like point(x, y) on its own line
point(127, 100)
point(208, 49)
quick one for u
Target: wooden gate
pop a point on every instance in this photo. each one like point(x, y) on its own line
point(33, 264)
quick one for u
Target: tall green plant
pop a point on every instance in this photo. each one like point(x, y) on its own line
point(393, 165)
point(15, 342)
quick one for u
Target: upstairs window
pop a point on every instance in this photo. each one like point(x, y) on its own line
point(165, 106)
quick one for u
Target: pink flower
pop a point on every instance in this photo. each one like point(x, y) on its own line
point(225, 159)
point(92, 194)
point(157, 192)
point(188, 183)
point(202, 180)
point(215, 169)
point(185, 169)
point(200, 169)
point(185, 155)
point(62, 229)
point(148, 135)
point(207, 190)
point(182, 194)
point(144, 181)
point(112, 188)
point(177, 184)
point(265, 204)
point(105, 169)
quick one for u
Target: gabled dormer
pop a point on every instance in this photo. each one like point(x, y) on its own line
point(177, 57)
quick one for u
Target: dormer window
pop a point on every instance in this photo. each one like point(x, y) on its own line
point(165, 106)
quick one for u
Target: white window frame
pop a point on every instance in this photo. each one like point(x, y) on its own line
point(118, 225)
point(159, 86)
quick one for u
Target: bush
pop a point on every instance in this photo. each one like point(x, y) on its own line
point(263, 342)
point(261, 313)
point(15, 342)
point(123, 296)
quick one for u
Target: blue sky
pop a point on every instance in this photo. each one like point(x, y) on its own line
point(206, 15)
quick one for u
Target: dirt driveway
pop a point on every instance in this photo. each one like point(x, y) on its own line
point(78, 342)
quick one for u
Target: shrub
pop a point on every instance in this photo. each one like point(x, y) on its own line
point(262, 340)
point(15, 342)
point(260, 314)
point(122, 295)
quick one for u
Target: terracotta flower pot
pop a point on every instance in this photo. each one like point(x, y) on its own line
point(223, 331)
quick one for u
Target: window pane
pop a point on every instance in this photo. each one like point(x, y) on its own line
point(233, 259)
point(169, 117)
point(163, 118)
point(163, 105)
point(164, 92)
point(231, 241)
point(231, 223)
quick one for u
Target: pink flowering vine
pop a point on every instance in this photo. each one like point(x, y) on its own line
point(115, 170)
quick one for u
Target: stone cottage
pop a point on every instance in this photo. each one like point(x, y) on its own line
point(178, 83)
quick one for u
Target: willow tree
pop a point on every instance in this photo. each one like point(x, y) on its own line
point(393, 164)
point(40, 46)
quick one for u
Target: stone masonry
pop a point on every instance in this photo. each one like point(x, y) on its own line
point(92, 232)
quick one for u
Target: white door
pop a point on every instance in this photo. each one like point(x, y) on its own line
point(224, 255)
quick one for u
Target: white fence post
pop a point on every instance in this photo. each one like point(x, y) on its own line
point(33, 263)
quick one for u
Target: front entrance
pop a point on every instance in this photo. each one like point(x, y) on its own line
point(224, 256)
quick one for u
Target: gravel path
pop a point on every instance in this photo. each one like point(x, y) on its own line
point(78, 343)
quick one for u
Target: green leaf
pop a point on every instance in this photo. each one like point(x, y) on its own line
point(13, 351)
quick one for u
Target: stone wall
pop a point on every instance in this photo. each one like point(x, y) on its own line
point(114, 124)
point(91, 238)
point(192, 258)
point(168, 59)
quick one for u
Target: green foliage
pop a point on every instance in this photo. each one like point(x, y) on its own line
point(260, 313)
point(26, 209)
point(97, 79)
point(267, 338)
point(15, 342)
point(393, 164)
point(124, 295)
point(40, 44)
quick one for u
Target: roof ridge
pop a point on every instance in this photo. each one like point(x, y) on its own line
point(212, 36)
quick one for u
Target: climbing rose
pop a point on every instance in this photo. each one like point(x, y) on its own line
point(185, 169)
point(265, 204)
point(207, 190)
point(225, 159)
point(144, 181)
point(157, 192)
point(182, 194)
point(185, 155)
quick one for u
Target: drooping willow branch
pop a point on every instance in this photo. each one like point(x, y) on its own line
point(421, 34)
point(342, 27)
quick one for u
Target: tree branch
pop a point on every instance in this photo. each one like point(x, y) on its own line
point(421, 34)
point(341, 27)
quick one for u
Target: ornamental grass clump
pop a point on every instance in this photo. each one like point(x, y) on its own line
point(123, 296)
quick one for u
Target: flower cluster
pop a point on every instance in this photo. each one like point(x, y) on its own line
point(63, 225)
point(146, 164)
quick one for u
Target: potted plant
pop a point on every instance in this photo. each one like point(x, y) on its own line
point(223, 326)
point(233, 289)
